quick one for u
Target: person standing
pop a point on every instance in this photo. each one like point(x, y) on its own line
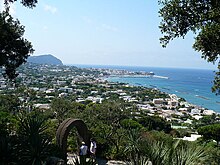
point(93, 147)
point(83, 153)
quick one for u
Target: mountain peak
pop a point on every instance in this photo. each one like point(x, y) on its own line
point(45, 59)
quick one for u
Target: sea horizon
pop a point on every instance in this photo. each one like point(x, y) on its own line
point(121, 66)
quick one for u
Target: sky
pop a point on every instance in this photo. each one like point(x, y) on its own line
point(104, 32)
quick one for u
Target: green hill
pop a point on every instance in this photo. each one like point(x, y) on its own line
point(45, 59)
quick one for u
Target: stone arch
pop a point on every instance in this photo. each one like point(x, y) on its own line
point(63, 132)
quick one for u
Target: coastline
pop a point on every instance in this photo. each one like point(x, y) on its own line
point(197, 100)
point(192, 84)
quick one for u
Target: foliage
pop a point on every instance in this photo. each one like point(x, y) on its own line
point(154, 123)
point(14, 49)
point(178, 153)
point(198, 16)
point(205, 120)
point(162, 150)
point(72, 141)
point(183, 132)
point(61, 107)
point(133, 145)
point(214, 156)
point(210, 132)
point(187, 153)
point(104, 121)
point(117, 133)
point(141, 161)
point(25, 139)
point(26, 3)
point(130, 124)
point(157, 152)
point(9, 103)
point(160, 136)
point(7, 125)
point(34, 143)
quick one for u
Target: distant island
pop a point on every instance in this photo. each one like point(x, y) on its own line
point(45, 59)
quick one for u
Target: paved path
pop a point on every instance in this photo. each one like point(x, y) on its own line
point(71, 158)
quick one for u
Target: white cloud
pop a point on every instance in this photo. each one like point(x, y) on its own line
point(51, 9)
point(109, 27)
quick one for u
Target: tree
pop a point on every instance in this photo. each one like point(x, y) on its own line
point(206, 120)
point(61, 107)
point(26, 3)
point(210, 132)
point(198, 16)
point(14, 49)
point(154, 123)
point(104, 121)
point(9, 103)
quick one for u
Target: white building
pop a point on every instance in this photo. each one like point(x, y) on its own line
point(193, 137)
point(42, 106)
point(195, 111)
point(173, 103)
point(66, 89)
point(208, 112)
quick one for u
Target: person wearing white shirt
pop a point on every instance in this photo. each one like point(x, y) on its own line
point(83, 152)
point(93, 147)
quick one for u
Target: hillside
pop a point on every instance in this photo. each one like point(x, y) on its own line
point(45, 59)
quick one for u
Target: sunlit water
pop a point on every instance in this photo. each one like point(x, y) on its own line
point(192, 84)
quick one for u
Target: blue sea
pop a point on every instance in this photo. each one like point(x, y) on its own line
point(192, 84)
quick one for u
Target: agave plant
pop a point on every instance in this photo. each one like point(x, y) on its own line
point(133, 145)
point(179, 153)
point(34, 143)
point(141, 161)
point(158, 152)
point(186, 153)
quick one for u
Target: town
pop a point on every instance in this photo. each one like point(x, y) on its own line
point(41, 83)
